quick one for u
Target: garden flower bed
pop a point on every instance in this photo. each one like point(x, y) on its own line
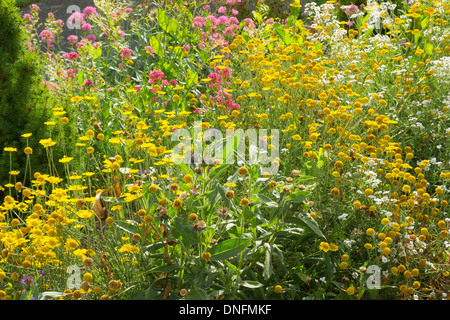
point(217, 157)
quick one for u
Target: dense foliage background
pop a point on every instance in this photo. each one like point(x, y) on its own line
point(347, 199)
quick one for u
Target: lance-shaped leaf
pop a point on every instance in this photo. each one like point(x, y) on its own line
point(228, 248)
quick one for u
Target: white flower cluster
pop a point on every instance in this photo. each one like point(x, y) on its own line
point(441, 67)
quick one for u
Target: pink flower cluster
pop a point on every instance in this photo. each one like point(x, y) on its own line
point(72, 56)
point(89, 12)
point(351, 9)
point(156, 76)
point(126, 54)
point(219, 82)
point(47, 36)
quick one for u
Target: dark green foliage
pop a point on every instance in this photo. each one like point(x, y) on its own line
point(25, 101)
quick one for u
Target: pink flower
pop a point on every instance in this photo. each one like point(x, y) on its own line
point(90, 11)
point(228, 32)
point(81, 43)
point(86, 27)
point(70, 73)
point(351, 9)
point(156, 76)
point(47, 36)
point(34, 8)
point(234, 12)
point(76, 19)
point(126, 54)
point(72, 39)
point(91, 37)
point(128, 10)
point(198, 22)
point(233, 20)
point(71, 56)
point(28, 17)
point(120, 33)
point(223, 20)
point(88, 83)
point(222, 10)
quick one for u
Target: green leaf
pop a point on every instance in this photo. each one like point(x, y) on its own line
point(197, 294)
point(180, 230)
point(368, 33)
point(417, 38)
point(297, 196)
point(251, 284)
point(129, 226)
point(228, 248)
point(218, 170)
point(96, 53)
point(424, 23)
point(212, 196)
point(314, 227)
point(428, 49)
point(192, 79)
point(185, 168)
point(80, 78)
point(162, 19)
point(52, 294)
point(154, 43)
point(153, 247)
point(268, 270)
point(167, 268)
point(329, 268)
point(284, 36)
point(320, 164)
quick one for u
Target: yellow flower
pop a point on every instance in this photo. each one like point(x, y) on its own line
point(324, 246)
point(129, 248)
point(85, 213)
point(71, 244)
point(333, 247)
point(278, 289)
point(9, 149)
point(47, 142)
point(206, 255)
point(351, 290)
point(65, 159)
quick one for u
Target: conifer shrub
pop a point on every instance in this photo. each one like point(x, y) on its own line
point(25, 101)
